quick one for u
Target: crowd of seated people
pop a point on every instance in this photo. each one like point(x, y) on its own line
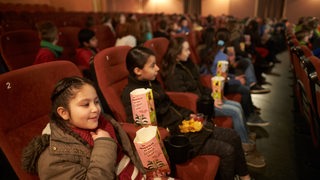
point(253, 40)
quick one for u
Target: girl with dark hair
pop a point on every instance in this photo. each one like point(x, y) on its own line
point(83, 143)
point(226, 143)
point(181, 74)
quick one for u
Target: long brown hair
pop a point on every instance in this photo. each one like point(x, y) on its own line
point(170, 59)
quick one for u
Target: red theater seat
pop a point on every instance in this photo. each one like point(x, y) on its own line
point(25, 106)
point(19, 48)
point(105, 36)
point(68, 39)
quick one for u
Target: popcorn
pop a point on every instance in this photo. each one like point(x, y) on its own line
point(190, 126)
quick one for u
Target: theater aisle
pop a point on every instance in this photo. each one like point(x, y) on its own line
point(286, 142)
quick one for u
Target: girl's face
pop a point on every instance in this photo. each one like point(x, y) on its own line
point(185, 52)
point(149, 71)
point(84, 109)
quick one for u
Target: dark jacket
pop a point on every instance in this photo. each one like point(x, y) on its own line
point(169, 115)
point(62, 156)
point(186, 78)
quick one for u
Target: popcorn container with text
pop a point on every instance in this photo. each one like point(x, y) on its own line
point(222, 68)
point(143, 109)
point(217, 88)
point(152, 152)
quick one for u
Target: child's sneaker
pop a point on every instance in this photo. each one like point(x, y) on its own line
point(255, 159)
point(255, 120)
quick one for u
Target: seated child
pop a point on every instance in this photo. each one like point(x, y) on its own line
point(180, 74)
point(83, 143)
point(49, 51)
point(225, 143)
point(88, 48)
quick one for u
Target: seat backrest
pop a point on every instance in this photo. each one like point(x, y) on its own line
point(110, 73)
point(159, 46)
point(68, 39)
point(307, 52)
point(105, 36)
point(308, 76)
point(316, 63)
point(19, 48)
point(25, 106)
point(193, 39)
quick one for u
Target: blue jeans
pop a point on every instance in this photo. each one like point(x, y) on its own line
point(234, 109)
point(246, 100)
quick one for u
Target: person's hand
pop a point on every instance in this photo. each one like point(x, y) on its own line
point(218, 104)
point(242, 79)
point(99, 133)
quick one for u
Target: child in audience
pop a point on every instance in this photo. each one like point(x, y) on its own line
point(145, 30)
point(184, 26)
point(181, 74)
point(49, 51)
point(126, 33)
point(88, 47)
point(234, 84)
point(83, 143)
point(162, 30)
point(225, 143)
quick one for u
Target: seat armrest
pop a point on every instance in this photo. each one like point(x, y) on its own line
point(184, 99)
point(206, 80)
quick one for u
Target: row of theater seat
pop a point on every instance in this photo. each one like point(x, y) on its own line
point(306, 72)
point(19, 7)
point(19, 48)
point(25, 104)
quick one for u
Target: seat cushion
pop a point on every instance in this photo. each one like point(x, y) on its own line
point(199, 168)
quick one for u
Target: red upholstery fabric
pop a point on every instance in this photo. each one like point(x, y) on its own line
point(111, 77)
point(111, 74)
point(186, 100)
point(316, 63)
point(201, 167)
point(193, 42)
point(310, 83)
point(159, 47)
point(223, 121)
point(68, 39)
point(307, 52)
point(25, 106)
point(105, 36)
point(19, 48)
